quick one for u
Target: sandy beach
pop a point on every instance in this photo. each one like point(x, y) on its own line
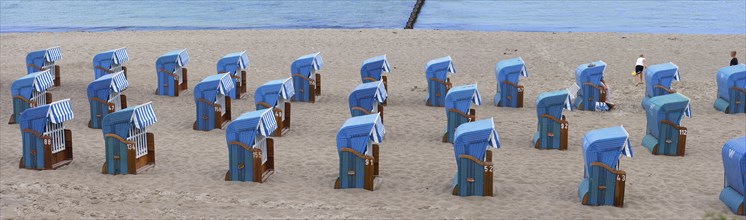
point(416, 167)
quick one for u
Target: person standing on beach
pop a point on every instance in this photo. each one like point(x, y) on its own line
point(733, 61)
point(639, 67)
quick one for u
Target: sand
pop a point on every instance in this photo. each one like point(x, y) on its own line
point(415, 166)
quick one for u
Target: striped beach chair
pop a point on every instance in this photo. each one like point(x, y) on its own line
point(111, 61)
point(30, 91)
point(509, 93)
point(731, 89)
point(438, 82)
point(211, 97)
point(658, 79)
point(357, 146)
point(250, 150)
point(734, 163)
point(372, 70)
point(473, 159)
point(592, 93)
point(236, 64)
point(105, 95)
point(368, 98)
point(458, 108)
point(664, 134)
point(41, 60)
point(552, 130)
point(306, 80)
point(130, 148)
point(603, 181)
point(172, 73)
point(276, 95)
point(47, 144)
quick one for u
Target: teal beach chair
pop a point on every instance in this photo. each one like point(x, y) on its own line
point(47, 144)
point(473, 159)
point(357, 146)
point(105, 95)
point(553, 128)
point(734, 163)
point(664, 134)
point(458, 108)
point(30, 91)
point(172, 73)
point(731, 89)
point(507, 72)
point(129, 147)
point(603, 181)
point(438, 82)
point(276, 95)
point(41, 60)
point(250, 150)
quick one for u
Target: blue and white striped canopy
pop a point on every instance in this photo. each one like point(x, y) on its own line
point(461, 97)
point(53, 54)
point(357, 132)
point(226, 84)
point(119, 82)
point(474, 138)
point(688, 111)
point(374, 66)
point(60, 111)
point(144, 115)
point(267, 125)
point(43, 80)
point(120, 56)
point(627, 147)
point(287, 89)
point(677, 75)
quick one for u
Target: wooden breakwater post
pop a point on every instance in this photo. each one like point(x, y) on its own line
point(415, 12)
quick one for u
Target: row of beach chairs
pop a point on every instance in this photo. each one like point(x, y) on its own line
point(47, 144)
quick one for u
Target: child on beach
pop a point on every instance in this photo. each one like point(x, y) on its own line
point(639, 67)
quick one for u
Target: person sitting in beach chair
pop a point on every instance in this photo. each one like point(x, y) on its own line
point(734, 162)
point(552, 129)
point(592, 91)
point(47, 144)
point(306, 80)
point(105, 96)
point(658, 79)
point(368, 98)
point(250, 150)
point(276, 95)
point(509, 93)
point(30, 91)
point(664, 134)
point(372, 70)
point(438, 82)
point(129, 147)
point(213, 103)
point(603, 181)
point(236, 64)
point(357, 146)
point(111, 61)
point(473, 159)
point(731, 89)
point(458, 108)
point(172, 73)
point(41, 60)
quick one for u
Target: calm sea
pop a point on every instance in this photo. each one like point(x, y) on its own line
point(696, 17)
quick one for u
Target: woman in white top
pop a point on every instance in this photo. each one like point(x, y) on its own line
point(639, 67)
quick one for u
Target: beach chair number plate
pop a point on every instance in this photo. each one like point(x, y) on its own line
point(564, 126)
point(257, 154)
point(621, 178)
point(488, 169)
point(682, 132)
point(367, 162)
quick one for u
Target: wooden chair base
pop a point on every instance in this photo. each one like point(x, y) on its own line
point(12, 119)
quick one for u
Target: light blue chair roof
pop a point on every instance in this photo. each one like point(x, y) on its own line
point(605, 145)
point(39, 57)
point(36, 118)
point(510, 70)
point(473, 138)
point(374, 67)
point(730, 76)
point(585, 73)
point(120, 122)
point(357, 132)
point(660, 74)
point(173, 59)
point(101, 87)
point(24, 86)
point(461, 97)
point(439, 68)
point(118, 56)
point(245, 128)
point(304, 64)
point(233, 62)
point(365, 91)
point(552, 103)
point(271, 91)
point(212, 85)
point(671, 107)
point(734, 162)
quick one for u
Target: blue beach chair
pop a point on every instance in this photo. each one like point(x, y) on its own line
point(30, 91)
point(731, 89)
point(734, 162)
point(438, 82)
point(458, 108)
point(473, 159)
point(664, 134)
point(111, 61)
point(130, 148)
point(41, 60)
point(603, 181)
point(357, 145)
point(306, 80)
point(592, 93)
point(368, 98)
point(212, 102)
point(372, 70)
point(658, 79)
point(509, 93)
point(236, 64)
point(552, 129)
point(276, 95)
point(250, 150)
point(105, 96)
point(47, 145)
point(172, 73)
